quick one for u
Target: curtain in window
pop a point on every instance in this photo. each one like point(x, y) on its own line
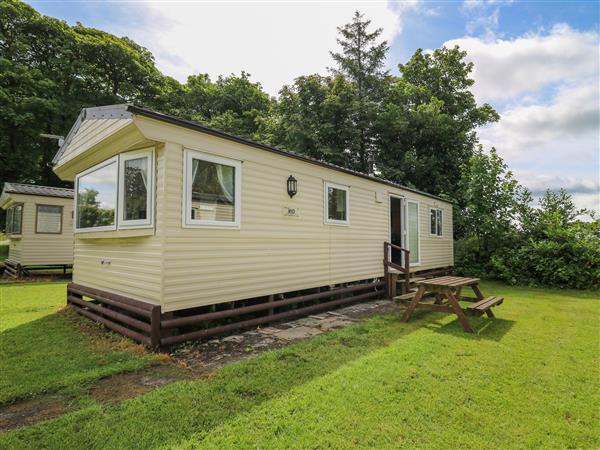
point(225, 177)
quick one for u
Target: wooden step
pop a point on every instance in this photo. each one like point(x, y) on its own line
point(484, 305)
point(412, 280)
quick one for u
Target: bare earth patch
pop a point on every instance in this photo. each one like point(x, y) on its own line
point(189, 361)
point(31, 411)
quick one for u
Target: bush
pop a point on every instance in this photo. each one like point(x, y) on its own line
point(558, 256)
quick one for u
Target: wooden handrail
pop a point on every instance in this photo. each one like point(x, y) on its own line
point(397, 247)
point(387, 246)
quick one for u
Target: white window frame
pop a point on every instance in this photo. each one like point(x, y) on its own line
point(114, 159)
point(418, 262)
point(438, 225)
point(186, 216)
point(326, 218)
point(138, 223)
point(12, 208)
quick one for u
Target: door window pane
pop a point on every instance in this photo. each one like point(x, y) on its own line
point(212, 191)
point(135, 187)
point(96, 197)
point(413, 231)
point(48, 219)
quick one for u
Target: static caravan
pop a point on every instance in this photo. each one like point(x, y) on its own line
point(39, 227)
point(177, 225)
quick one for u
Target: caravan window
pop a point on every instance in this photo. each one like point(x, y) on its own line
point(14, 219)
point(48, 219)
point(212, 190)
point(337, 204)
point(97, 197)
point(435, 221)
point(136, 185)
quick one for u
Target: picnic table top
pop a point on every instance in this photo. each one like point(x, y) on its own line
point(448, 281)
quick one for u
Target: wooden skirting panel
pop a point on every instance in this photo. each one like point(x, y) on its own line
point(144, 323)
point(17, 270)
point(137, 320)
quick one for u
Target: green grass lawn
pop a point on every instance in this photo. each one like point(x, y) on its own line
point(42, 350)
point(528, 379)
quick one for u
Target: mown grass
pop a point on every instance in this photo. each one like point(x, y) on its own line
point(528, 379)
point(43, 350)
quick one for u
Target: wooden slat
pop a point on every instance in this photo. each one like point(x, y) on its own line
point(143, 326)
point(110, 301)
point(486, 303)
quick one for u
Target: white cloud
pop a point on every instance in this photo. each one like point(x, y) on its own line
point(554, 144)
point(505, 69)
point(567, 125)
point(274, 42)
point(547, 87)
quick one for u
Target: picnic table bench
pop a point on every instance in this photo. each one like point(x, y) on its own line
point(446, 292)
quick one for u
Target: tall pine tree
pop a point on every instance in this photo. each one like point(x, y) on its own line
point(362, 61)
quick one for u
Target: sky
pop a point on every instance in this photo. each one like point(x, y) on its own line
point(536, 62)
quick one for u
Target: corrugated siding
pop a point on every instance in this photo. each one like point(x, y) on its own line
point(38, 248)
point(272, 252)
point(128, 266)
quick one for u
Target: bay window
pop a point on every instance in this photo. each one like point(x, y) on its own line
point(337, 204)
point(117, 193)
point(212, 190)
point(136, 189)
point(96, 204)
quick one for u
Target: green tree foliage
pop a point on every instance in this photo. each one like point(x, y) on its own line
point(427, 126)
point(334, 118)
point(234, 103)
point(48, 71)
point(502, 234)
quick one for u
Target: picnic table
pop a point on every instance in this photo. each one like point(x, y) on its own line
point(446, 292)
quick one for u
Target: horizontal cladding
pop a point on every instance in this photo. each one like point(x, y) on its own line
point(15, 250)
point(133, 265)
point(271, 252)
point(129, 266)
point(37, 248)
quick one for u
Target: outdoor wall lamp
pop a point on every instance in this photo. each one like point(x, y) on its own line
point(292, 186)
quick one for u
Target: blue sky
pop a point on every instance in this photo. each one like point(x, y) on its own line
point(536, 62)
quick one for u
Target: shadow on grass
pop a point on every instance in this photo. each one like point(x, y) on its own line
point(171, 414)
point(493, 329)
point(53, 352)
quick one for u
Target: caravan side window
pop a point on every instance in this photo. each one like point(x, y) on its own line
point(337, 201)
point(14, 219)
point(212, 190)
point(435, 221)
point(48, 219)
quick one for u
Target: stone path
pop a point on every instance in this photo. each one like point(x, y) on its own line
point(191, 361)
point(216, 352)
